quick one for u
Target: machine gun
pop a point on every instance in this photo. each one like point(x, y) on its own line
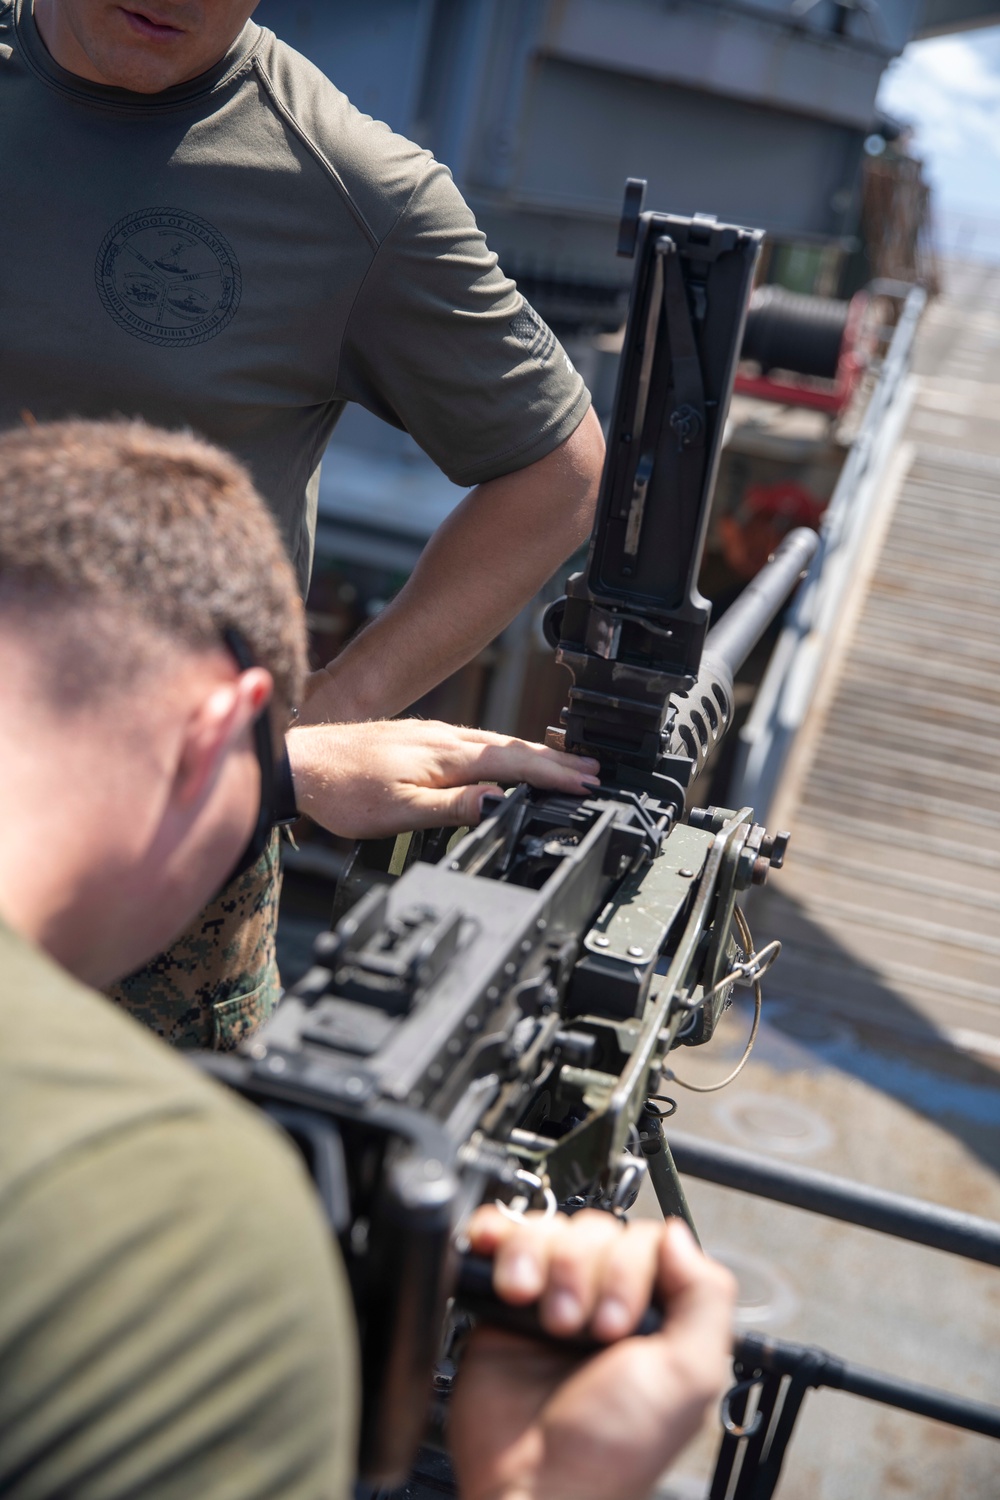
point(495, 1024)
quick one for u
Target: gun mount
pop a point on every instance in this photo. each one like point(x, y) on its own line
point(496, 1023)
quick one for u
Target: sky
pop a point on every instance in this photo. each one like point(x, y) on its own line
point(948, 88)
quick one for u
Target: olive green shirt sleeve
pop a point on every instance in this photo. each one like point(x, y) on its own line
point(175, 1322)
point(171, 1326)
point(440, 342)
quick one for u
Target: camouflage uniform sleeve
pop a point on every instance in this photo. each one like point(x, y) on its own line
point(219, 980)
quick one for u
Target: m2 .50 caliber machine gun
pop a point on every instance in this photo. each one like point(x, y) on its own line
point(495, 1024)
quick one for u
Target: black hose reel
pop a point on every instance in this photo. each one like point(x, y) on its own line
point(790, 331)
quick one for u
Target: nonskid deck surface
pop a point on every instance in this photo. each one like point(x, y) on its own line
point(890, 906)
point(879, 1057)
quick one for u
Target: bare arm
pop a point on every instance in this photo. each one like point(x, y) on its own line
point(368, 780)
point(484, 562)
point(532, 1422)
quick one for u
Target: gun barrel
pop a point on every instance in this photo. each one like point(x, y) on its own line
point(730, 642)
point(704, 713)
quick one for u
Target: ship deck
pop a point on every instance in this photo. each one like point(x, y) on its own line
point(879, 1055)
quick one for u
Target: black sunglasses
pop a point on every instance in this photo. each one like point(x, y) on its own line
point(277, 789)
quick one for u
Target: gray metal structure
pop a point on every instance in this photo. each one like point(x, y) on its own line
point(939, 16)
point(755, 110)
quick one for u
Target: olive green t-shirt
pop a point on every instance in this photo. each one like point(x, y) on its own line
point(243, 254)
point(174, 1320)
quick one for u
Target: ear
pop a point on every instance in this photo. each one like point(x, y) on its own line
point(219, 724)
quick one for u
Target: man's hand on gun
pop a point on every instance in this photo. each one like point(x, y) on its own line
point(532, 1422)
point(384, 777)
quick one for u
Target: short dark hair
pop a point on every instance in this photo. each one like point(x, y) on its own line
point(119, 516)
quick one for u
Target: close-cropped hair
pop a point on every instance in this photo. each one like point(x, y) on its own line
point(117, 519)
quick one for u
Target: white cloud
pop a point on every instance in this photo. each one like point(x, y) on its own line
point(959, 67)
point(948, 89)
point(949, 92)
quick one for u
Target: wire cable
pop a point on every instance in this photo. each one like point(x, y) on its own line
point(752, 967)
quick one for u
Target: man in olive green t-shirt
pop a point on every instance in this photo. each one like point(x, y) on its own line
point(201, 230)
point(198, 228)
point(174, 1318)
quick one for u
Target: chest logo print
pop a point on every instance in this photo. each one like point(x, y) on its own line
point(168, 277)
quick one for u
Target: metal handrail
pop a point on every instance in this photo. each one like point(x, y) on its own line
point(789, 685)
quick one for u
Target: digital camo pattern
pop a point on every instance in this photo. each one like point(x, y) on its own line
point(219, 981)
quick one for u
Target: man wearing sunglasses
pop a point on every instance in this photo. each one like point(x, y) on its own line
point(174, 1318)
point(200, 230)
